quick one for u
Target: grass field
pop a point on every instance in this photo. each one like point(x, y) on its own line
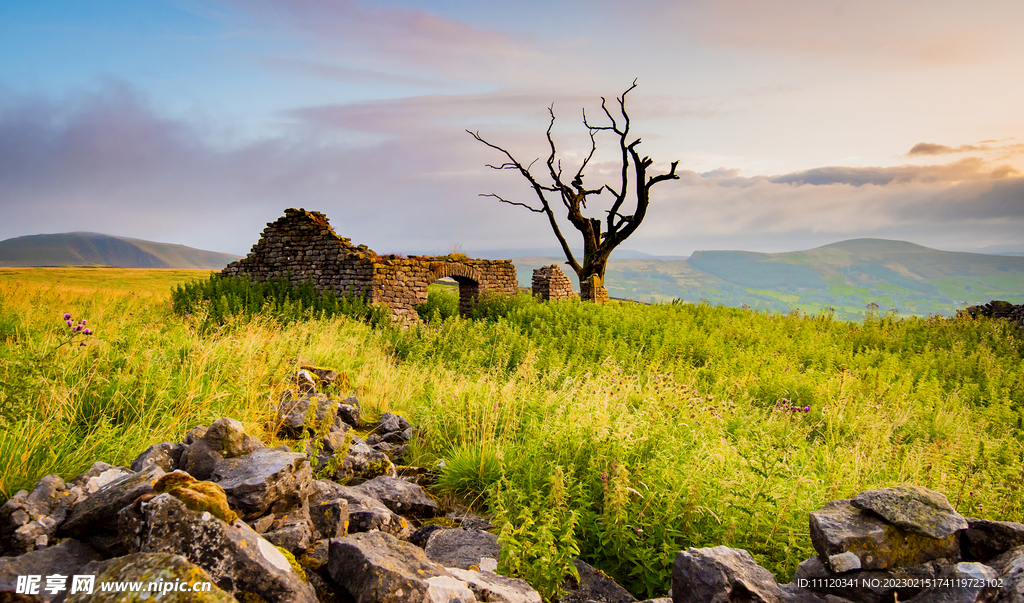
point(619, 433)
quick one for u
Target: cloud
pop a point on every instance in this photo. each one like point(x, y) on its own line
point(928, 148)
point(966, 169)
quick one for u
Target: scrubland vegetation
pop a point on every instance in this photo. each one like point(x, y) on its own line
point(618, 433)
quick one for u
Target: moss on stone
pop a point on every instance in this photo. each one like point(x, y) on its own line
point(296, 566)
point(202, 497)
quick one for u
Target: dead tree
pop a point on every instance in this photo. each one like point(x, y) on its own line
point(618, 226)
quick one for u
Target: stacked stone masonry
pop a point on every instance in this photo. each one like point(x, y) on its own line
point(551, 283)
point(302, 246)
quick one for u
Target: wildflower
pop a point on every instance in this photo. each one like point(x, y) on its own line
point(81, 345)
point(639, 531)
point(69, 322)
point(67, 316)
point(87, 332)
point(807, 409)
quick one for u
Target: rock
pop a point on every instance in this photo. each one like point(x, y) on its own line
point(297, 419)
point(966, 582)
point(400, 496)
point(593, 585)
point(493, 588)
point(292, 531)
point(350, 413)
point(390, 422)
point(839, 527)
point(984, 539)
point(97, 476)
point(193, 435)
point(165, 455)
point(721, 574)
point(322, 373)
point(461, 548)
point(913, 509)
point(325, 490)
point(366, 513)
point(94, 519)
point(200, 496)
point(30, 519)
point(175, 575)
point(227, 438)
point(64, 559)
point(238, 559)
point(365, 462)
point(375, 567)
point(423, 534)
point(268, 479)
point(329, 518)
point(867, 586)
point(198, 459)
point(1009, 567)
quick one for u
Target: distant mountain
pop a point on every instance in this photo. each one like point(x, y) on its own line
point(94, 249)
point(846, 277)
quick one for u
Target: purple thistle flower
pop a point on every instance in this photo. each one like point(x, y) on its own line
point(68, 322)
point(807, 409)
point(88, 332)
point(67, 316)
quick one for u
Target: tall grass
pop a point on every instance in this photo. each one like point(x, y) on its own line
point(618, 433)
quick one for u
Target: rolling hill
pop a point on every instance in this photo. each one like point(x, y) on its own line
point(845, 276)
point(94, 249)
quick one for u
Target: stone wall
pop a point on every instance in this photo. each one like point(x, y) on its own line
point(550, 283)
point(1000, 309)
point(302, 246)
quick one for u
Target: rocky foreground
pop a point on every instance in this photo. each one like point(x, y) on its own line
point(256, 523)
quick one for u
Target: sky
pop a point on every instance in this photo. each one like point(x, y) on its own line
point(795, 123)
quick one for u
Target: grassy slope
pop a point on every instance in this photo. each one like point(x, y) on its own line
point(86, 248)
point(620, 433)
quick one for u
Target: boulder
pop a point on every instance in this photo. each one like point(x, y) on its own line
point(1009, 568)
point(423, 534)
point(198, 459)
point(63, 559)
point(30, 519)
point(593, 585)
point(172, 579)
point(292, 531)
point(364, 462)
point(268, 479)
point(839, 528)
point(462, 548)
point(366, 513)
point(913, 509)
point(166, 455)
point(375, 567)
point(227, 438)
point(720, 575)
point(400, 496)
point(965, 582)
point(494, 588)
point(99, 475)
point(94, 519)
point(866, 586)
point(297, 418)
point(349, 412)
point(984, 539)
point(329, 518)
point(390, 422)
point(322, 373)
point(238, 559)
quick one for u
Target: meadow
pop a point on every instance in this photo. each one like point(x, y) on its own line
point(619, 433)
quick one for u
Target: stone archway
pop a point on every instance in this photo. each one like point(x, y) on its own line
point(468, 279)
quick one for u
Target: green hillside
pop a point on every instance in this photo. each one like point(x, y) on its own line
point(94, 249)
point(845, 276)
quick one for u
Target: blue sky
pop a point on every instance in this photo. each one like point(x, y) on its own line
point(795, 123)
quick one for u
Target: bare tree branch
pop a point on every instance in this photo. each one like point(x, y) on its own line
point(597, 245)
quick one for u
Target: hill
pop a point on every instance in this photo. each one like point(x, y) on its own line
point(95, 249)
point(845, 276)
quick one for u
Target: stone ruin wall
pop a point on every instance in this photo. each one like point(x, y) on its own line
point(550, 283)
point(303, 244)
point(999, 309)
